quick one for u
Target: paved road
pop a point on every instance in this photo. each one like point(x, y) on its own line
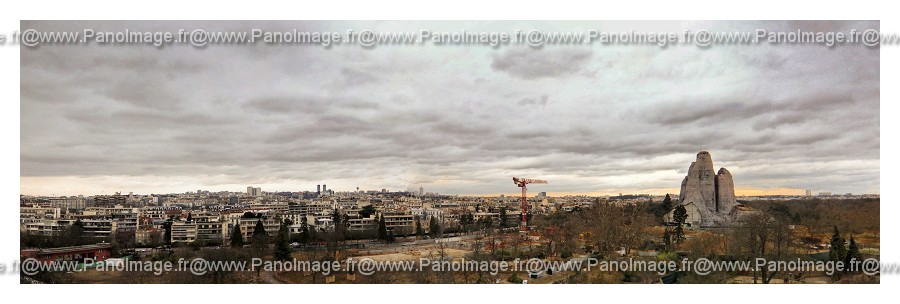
point(269, 277)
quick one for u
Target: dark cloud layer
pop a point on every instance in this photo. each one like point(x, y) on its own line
point(453, 119)
point(529, 63)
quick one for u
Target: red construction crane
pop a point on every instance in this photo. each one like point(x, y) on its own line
point(521, 182)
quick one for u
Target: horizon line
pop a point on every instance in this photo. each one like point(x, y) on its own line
point(749, 192)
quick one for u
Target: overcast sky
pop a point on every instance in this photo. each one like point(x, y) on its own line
point(453, 119)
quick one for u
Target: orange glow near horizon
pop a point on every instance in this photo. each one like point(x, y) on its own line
point(107, 185)
point(656, 192)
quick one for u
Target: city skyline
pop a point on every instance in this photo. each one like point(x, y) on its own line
point(592, 119)
point(305, 188)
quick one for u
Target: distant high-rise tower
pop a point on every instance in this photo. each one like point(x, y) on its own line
point(324, 188)
point(254, 191)
point(808, 192)
point(318, 189)
point(421, 191)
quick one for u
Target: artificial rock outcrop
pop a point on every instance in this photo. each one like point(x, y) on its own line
point(711, 193)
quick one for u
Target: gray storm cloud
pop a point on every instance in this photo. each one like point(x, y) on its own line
point(456, 119)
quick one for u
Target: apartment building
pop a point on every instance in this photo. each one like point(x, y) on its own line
point(361, 224)
point(184, 232)
point(271, 225)
point(43, 226)
point(398, 220)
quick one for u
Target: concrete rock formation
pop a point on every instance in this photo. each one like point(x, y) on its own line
point(725, 200)
point(708, 195)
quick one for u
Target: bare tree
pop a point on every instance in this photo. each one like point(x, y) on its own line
point(763, 236)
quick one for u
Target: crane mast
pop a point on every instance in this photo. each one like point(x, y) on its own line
point(522, 183)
